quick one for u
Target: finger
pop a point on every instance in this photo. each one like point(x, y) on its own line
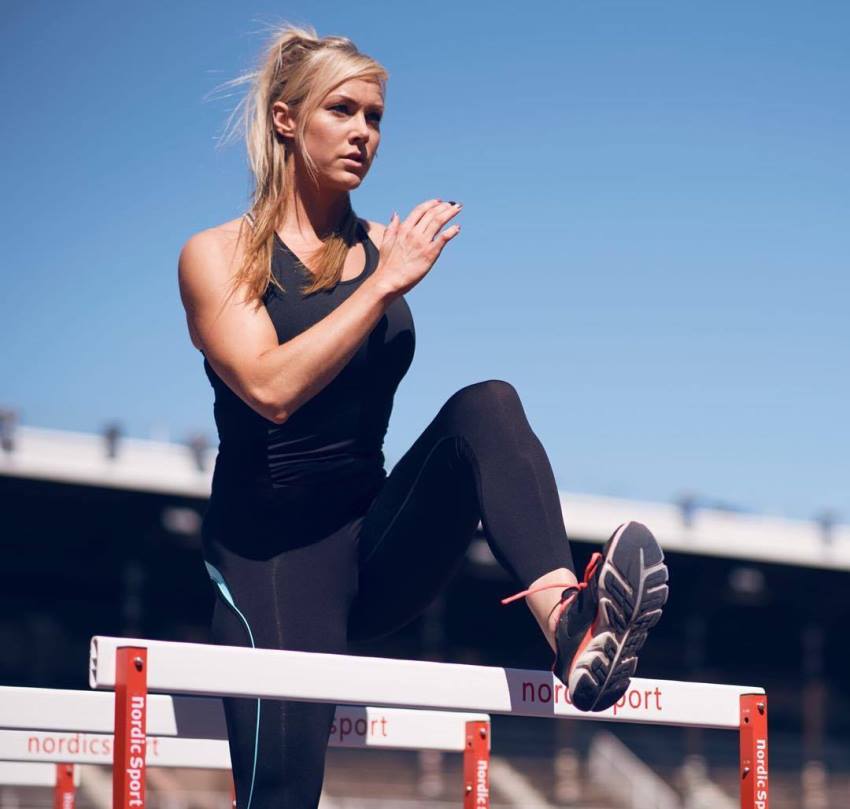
point(425, 224)
point(434, 220)
point(390, 230)
point(418, 212)
point(443, 239)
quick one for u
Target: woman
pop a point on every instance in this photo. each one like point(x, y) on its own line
point(298, 308)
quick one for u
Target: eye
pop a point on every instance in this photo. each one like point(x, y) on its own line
point(375, 116)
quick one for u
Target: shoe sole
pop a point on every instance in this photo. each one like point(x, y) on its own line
point(632, 591)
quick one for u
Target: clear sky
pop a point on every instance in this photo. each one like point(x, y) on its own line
point(655, 229)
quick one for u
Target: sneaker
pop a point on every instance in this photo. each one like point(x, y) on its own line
point(603, 621)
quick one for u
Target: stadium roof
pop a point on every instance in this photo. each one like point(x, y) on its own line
point(185, 471)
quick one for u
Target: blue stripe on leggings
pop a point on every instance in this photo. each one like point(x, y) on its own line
point(220, 583)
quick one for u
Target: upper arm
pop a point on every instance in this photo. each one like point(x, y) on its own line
point(233, 332)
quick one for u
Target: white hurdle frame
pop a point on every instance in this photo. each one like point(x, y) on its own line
point(68, 727)
point(132, 666)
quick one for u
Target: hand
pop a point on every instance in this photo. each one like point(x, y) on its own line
point(408, 249)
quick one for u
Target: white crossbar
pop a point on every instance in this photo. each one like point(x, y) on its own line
point(21, 774)
point(96, 748)
point(58, 709)
point(81, 722)
point(191, 668)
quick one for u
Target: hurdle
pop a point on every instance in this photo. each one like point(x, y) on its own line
point(132, 667)
point(71, 727)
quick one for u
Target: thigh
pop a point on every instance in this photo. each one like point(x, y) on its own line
point(415, 533)
point(298, 600)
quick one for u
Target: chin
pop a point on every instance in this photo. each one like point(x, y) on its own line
point(348, 179)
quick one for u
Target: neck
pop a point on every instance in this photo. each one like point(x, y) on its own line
point(312, 213)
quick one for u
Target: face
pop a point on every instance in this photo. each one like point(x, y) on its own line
point(343, 133)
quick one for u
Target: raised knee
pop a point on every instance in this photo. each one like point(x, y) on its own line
point(499, 391)
point(493, 396)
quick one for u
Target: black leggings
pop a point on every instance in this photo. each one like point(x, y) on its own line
point(377, 571)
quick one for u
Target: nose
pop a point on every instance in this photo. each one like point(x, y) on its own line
point(361, 128)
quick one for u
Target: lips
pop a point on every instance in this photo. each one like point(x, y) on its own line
point(355, 156)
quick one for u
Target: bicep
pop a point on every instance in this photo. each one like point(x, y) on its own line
point(234, 333)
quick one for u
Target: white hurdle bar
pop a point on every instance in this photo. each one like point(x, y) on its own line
point(132, 666)
point(76, 727)
point(36, 774)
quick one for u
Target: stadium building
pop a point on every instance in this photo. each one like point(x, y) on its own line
point(101, 536)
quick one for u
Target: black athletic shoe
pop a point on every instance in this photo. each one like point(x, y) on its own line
point(604, 619)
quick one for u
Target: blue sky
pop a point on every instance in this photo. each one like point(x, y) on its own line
point(654, 248)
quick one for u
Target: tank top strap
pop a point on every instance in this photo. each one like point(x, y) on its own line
point(370, 248)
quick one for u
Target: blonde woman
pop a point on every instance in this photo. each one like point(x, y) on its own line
point(298, 308)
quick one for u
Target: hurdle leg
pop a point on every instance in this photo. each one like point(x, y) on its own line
point(476, 766)
point(754, 783)
point(131, 697)
point(64, 794)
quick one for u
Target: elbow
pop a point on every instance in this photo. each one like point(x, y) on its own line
point(277, 416)
point(270, 407)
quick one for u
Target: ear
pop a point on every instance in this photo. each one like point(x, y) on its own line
point(282, 120)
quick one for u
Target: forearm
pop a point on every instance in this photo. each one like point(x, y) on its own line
point(295, 371)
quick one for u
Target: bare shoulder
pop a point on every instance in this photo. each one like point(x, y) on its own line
point(375, 231)
point(218, 236)
point(211, 253)
point(208, 262)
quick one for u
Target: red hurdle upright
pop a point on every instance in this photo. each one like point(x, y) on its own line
point(754, 785)
point(131, 696)
point(476, 766)
point(64, 794)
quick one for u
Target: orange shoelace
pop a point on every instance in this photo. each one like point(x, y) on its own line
point(574, 588)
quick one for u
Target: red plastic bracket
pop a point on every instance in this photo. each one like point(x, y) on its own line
point(754, 770)
point(131, 703)
point(476, 766)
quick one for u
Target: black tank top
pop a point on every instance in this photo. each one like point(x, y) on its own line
point(333, 444)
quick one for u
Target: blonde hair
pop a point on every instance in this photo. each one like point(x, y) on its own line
point(299, 68)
